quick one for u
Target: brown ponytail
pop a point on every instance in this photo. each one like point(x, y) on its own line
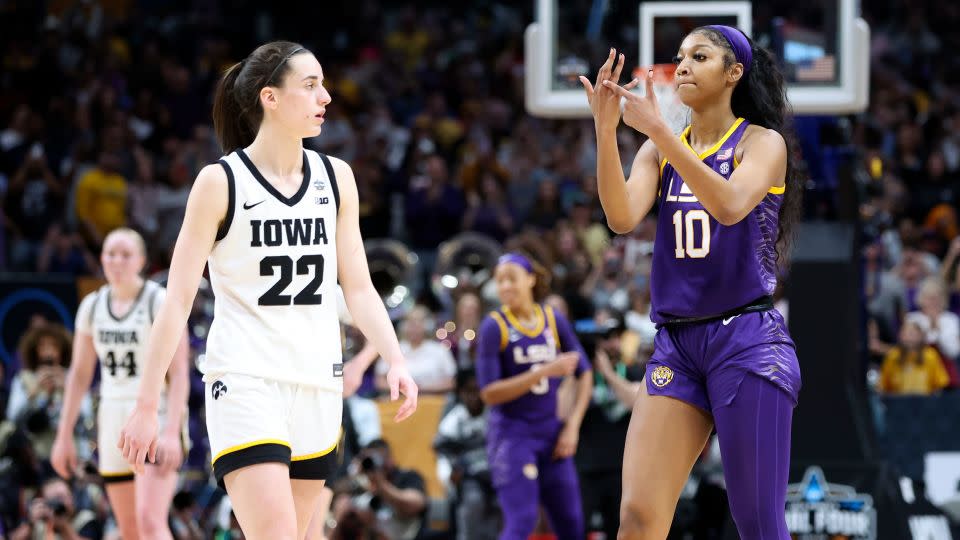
point(237, 112)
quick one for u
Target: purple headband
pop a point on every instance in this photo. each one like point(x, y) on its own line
point(516, 259)
point(739, 43)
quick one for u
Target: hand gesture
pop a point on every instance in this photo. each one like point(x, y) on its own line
point(400, 382)
point(564, 364)
point(63, 456)
point(138, 438)
point(602, 362)
point(604, 102)
point(642, 113)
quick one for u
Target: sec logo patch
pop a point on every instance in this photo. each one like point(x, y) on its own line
point(661, 376)
point(530, 471)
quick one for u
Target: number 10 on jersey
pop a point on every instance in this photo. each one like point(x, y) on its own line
point(684, 224)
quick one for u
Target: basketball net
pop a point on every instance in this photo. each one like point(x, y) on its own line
point(674, 112)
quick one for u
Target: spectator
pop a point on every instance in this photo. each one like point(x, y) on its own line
point(36, 392)
point(940, 327)
point(64, 252)
point(19, 469)
point(434, 210)
point(53, 515)
point(398, 497)
point(604, 431)
point(101, 197)
point(462, 464)
point(489, 212)
point(912, 366)
point(546, 210)
point(34, 199)
point(430, 363)
point(463, 340)
point(183, 520)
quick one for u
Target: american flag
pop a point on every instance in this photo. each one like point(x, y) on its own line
point(821, 69)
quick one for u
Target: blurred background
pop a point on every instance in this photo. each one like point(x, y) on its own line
point(105, 122)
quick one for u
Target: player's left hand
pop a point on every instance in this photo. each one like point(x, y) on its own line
point(567, 443)
point(169, 452)
point(642, 113)
point(400, 382)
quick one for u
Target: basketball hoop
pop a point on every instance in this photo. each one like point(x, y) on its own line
point(675, 113)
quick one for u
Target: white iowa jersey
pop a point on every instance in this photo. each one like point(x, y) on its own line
point(274, 276)
point(120, 341)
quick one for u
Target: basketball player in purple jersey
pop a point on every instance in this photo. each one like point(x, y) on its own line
point(524, 350)
point(729, 194)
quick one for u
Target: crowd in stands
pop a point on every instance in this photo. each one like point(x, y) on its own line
point(104, 122)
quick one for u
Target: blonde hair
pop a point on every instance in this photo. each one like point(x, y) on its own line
point(137, 238)
point(933, 288)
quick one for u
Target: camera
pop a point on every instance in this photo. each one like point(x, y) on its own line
point(371, 462)
point(57, 507)
point(368, 501)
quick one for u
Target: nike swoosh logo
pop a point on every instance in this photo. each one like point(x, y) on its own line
point(247, 206)
point(727, 321)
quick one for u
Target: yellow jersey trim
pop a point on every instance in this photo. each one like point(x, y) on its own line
point(316, 454)
point(503, 329)
point(244, 446)
point(716, 146)
point(535, 331)
point(115, 474)
point(775, 190)
point(552, 322)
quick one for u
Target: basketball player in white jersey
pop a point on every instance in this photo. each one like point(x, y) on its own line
point(113, 324)
point(279, 226)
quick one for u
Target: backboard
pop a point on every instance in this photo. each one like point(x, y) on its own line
point(823, 46)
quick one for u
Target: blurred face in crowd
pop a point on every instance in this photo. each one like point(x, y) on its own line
point(299, 104)
point(931, 298)
point(470, 397)
point(911, 336)
point(122, 257)
point(514, 285)
point(468, 311)
point(415, 326)
point(48, 352)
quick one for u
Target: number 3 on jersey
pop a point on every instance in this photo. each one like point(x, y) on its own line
point(543, 385)
point(686, 242)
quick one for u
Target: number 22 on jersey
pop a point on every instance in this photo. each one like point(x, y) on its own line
point(684, 226)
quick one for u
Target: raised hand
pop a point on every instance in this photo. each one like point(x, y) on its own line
point(642, 113)
point(604, 102)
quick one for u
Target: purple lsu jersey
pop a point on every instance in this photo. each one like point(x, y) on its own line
point(700, 267)
point(506, 348)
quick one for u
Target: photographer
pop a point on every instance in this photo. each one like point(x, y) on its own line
point(397, 497)
point(604, 428)
point(35, 198)
point(36, 392)
point(52, 515)
point(462, 463)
